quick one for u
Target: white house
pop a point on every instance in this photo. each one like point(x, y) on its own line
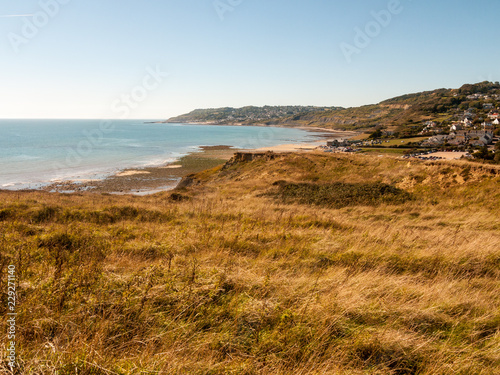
point(467, 122)
point(493, 115)
point(430, 124)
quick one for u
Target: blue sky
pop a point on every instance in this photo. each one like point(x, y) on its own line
point(90, 58)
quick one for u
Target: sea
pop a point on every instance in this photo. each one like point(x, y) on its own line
point(36, 153)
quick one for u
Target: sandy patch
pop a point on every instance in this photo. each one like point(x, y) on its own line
point(293, 147)
point(448, 155)
point(131, 173)
point(174, 166)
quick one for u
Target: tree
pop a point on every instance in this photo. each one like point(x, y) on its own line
point(484, 154)
point(497, 157)
point(376, 134)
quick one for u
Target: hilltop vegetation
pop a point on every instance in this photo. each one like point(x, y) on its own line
point(244, 116)
point(403, 115)
point(236, 273)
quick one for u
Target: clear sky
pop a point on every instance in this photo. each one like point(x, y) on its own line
point(110, 58)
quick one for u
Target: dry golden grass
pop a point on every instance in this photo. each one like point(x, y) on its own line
point(225, 279)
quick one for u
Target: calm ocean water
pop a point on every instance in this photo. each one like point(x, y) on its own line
point(37, 152)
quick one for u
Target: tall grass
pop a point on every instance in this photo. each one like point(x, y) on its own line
point(232, 281)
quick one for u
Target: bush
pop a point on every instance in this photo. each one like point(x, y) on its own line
point(45, 214)
point(338, 194)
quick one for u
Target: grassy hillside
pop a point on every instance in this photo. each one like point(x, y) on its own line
point(259, 268)
point(403, 114)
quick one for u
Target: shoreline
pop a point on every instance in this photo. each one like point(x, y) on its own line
point(166, 177)
point(149, 180)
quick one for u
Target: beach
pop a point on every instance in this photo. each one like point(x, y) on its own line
point(149, 180)
point(292, 147)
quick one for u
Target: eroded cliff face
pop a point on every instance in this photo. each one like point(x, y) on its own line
point(239, 157)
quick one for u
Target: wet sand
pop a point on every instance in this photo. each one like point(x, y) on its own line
point(153, 179)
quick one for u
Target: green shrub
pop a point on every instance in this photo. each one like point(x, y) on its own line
point(339, 194)
point(45, 214)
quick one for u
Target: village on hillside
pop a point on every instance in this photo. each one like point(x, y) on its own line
point(467, 130)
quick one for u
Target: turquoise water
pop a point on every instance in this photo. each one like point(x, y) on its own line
point(36, 152)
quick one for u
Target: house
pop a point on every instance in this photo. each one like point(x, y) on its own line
point(436, 140)
point(493, 115)
point(488, 106)
point(338, 143)
point(487, 139)
point(480, 142)
point(478, 133)
point(456, 127)
point(467, 122)
point(459, 138)
point(474, 96)
point(496, 122)
point(430, 124)
point(488, 126)
point(480, 137)
point(471, 137)
point(430, 127)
